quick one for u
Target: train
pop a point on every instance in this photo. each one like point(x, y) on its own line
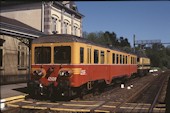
point(66, 65)
point(143, 65)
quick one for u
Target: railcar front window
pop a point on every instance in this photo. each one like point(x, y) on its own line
point(42, 55)
point(62, 55)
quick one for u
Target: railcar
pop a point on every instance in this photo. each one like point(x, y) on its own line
point(143, 65)
point(65, 65)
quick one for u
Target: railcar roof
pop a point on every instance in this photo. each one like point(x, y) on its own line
point(62, 38)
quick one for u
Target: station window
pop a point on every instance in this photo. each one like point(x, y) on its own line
point(96, 56)
point(66, 27)
point(88, 55)
point(117, 58)
point(1, 55)
point(81, 55)
point(1, 52)
point(113, 58)
point(102, 57)
point(22, 55)
point(54, 24)
point(75, 29)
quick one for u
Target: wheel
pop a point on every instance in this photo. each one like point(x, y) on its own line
point(82, 92)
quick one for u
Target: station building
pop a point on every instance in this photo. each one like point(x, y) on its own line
point(21, 22)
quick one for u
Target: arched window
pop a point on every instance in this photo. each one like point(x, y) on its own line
point(75, 29)
point(54, 24)
point(66, 27)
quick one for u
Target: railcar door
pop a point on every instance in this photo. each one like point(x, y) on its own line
point(89, 68)
point(108, 66)
point(129, 62)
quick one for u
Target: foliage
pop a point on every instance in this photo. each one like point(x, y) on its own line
point(159, 55)
point(108, 39)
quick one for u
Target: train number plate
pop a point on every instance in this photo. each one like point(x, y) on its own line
point(52, 78)
point(83, 72)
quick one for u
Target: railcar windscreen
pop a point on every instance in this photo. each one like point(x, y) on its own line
point(62, 55)
point(42, 55)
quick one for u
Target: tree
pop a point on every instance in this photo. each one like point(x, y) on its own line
point(159, 55)
point(85, 34)
point(108, 39)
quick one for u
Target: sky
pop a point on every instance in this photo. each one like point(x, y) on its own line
point(147, 20)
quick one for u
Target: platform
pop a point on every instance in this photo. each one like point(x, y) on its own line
point(11, 90)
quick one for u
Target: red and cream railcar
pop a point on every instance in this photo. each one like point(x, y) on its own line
point(64, 64)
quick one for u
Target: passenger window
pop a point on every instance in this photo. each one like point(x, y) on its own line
point(123, 59)
point(131, 60)
point(138, 59)
point(117, 58)
point(113, 58)
point(96, 56)
point(120, 59)
point(102, 57)
point(126, 60)
point(81, 55)
point(108, 57)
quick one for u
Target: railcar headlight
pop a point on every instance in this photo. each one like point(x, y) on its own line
point(38, 72)
point(64, 74)
point(61, 73)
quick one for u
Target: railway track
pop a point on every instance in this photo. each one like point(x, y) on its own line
point(116, 100)
point(153, 96)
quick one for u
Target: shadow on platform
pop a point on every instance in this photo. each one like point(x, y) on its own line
point(22, 90)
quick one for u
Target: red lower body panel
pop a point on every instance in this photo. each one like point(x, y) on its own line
point(86, 73)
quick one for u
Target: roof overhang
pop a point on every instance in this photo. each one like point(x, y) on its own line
point(19, 31)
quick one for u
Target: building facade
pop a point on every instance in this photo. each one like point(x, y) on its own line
point(15, 40)
point(22, 22)
point(48, 17)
